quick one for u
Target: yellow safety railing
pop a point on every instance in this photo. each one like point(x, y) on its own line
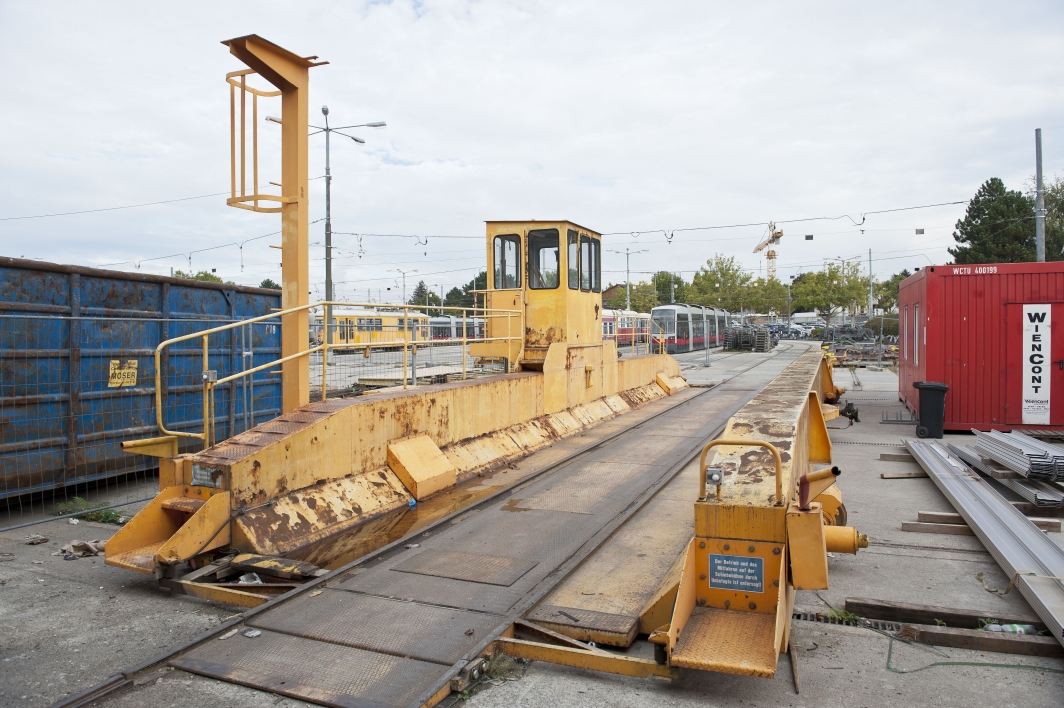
point(404, 338)
point(637, 332)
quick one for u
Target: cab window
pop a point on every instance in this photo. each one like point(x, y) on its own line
point(573, 260)
point(507, 262)
point(590, 263)
point(543, 259)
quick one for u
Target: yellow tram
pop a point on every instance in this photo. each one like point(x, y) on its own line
point(380, 326)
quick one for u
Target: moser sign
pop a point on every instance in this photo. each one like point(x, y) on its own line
point(1037, 357)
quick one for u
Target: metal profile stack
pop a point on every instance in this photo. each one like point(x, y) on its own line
point(1042, 494)
point(1022, 454)
point(1021, 549)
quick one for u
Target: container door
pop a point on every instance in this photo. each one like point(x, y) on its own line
point(1035, 364)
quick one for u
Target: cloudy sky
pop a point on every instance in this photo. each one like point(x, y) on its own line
point(634, 119)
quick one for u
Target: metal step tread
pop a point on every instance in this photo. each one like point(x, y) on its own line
point(187, 505)
point(140, 560)
point(729, 641)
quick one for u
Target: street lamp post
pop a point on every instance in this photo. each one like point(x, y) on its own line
point(328, 130)
point(627, 275)
point(404, 272)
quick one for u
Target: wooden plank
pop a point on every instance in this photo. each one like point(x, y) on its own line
point(911, 613)
point(947, 517)
point(978, 640)
point(896, 457)
point(951, 529)
point(902, 475)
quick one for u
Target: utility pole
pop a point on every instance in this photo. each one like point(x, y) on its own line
point(789, 284)
point(1039, 201)
point(627, 276)
point(672, 287)
point(870, 283)
point(328, 130)
point(404, 272)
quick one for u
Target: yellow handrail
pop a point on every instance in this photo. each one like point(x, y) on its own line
point(741, 443)
point(208, 434)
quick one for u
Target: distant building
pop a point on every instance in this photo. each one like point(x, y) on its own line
point(612, 292)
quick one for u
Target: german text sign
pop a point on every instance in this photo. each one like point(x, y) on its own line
point(736, 573)
point(1037, 358)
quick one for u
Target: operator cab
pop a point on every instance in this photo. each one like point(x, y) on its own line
point(553, 270)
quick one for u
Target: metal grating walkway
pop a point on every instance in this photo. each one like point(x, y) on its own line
point(393, 631)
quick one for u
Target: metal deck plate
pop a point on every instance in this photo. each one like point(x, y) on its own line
point(492, 570)
point(582, 491)
point(730, 641)
point(381, 624)
point(587, 620)
point(320, 672)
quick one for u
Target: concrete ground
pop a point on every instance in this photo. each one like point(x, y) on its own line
point(840, 665)
point(65, 625)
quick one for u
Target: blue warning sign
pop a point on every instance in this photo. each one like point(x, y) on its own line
point(736, 573)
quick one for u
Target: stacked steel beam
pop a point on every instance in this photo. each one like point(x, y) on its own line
point(1022, 454)
point(1042, 494)
point(1033, 562)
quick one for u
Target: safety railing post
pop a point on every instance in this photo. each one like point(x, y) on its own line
point(464, 311)
point(324, 355)
point(206, 395)
point(404, 356)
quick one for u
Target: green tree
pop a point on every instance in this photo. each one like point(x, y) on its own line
point(463, 296)
point(202, 275)
point(269, 284)
point(722, 282)
point(766, 295)
point(424, 298)
point(839, 286)
point(998, 227)
point(886, 292)
point(644, 297)
point(666, 283)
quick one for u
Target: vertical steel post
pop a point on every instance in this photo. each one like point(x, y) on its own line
point(289, 73)
point(324, 353)
point(404, 354)
point(206, 396)
point(870, 282)
point(464, 342)
point(1039, 201)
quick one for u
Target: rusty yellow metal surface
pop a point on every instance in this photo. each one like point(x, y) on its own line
point(742, 643)
point(224, 595)
point(809, 560)
point(134, 545)
point(843, 539)
point(306, 516)
point(829, 412)
point(686, 597)
point(772, 557)
point(580, 659)
point(753, 545)
point(165, 446)
point(830, 504)
point(206, 530)
point(421, 466)
point(289, 73)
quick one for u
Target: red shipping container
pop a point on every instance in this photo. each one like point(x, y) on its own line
point(994, 333)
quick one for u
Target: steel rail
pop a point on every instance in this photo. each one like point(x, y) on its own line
point(115, 682)
point(1034, 564)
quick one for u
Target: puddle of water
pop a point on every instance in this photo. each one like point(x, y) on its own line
point(341, 549)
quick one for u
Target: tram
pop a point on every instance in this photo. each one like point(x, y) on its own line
point(689, 328)
point(379, 327)
point(450, 327)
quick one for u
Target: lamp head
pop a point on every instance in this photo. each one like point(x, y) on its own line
point(325, 110)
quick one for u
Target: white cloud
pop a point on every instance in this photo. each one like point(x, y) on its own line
point(617, 115)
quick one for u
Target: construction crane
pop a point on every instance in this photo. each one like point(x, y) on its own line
point(771, 239)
